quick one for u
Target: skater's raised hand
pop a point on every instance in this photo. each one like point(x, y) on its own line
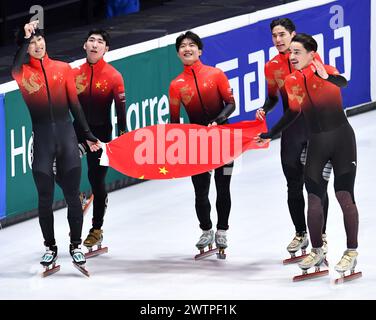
point(30, 28)
point(320, 69)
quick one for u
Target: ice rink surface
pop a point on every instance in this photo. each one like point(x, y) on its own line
point(151, 230)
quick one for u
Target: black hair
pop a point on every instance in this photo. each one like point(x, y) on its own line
point(306, 40)
point(106, 37)
point(284, 22)
point(189, 35)
point(20, 35)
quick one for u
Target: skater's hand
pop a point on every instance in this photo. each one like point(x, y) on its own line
point(260, 141)
point(213, 124)
point(30, 27)
point(320, 69)
point(260, 114)
point(94, 146)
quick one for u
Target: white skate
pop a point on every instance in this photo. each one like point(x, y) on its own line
point(300, 242)
point(314, 259)
point(221, 243)
point(347, 263)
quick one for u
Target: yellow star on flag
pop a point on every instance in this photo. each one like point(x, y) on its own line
point(98, 85)
point(163, 170)
point(142, 177)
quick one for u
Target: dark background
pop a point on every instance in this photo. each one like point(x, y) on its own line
point(67, 22)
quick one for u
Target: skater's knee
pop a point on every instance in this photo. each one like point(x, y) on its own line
point(295, 181)
point(314, 201)
point(312, 187)
point(345, 199)
point(345, 183)
point(201, 198)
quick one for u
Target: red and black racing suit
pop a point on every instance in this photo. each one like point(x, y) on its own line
point(207, 97)
point(331, 137)
point(97, 86)
point(48, 89)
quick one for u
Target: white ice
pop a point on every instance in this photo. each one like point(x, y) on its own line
point(151, 229)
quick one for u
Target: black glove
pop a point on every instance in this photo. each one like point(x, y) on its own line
point(224, 114)
point(265, 135)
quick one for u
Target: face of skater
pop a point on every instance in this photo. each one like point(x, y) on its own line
point(282, 38)
point(300, 57)
point(37, 47)
point(189, 52)
point(95, 47)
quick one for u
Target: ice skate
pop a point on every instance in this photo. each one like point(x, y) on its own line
point(86, 202)
point(315, 259)
point(49, 261)
point(206, 240)
point(300, 242)
point(221, 243)
point(94, 239)
point(347, 263)
point(79, 259)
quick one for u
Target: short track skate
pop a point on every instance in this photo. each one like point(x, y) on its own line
point(81, 268)
point(221, 254)
point(204, 254)
point(294, 258)
point(311, 275)
point(352, 276)
point(51, 269)
point(92, 253)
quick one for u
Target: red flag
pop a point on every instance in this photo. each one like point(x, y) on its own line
point(179, 150)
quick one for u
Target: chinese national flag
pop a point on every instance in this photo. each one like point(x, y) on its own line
point(170, 151)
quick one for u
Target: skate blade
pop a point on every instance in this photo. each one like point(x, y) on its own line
point(294, 259)
point(312, 275)
point(87, 205)
point(81, 269)
point(348, 278)
point(221, 254)
point(96, 252)
point(206, 254)
point(50, 271)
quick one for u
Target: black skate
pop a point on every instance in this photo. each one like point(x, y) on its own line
point(49, 261)
point(79, 260)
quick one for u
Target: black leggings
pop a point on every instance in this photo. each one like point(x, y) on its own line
point(201, 183)
point(338, 146)
point(293, 142)
point(97, 174)
point(58, 141)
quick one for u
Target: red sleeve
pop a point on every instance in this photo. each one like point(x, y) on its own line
point(331, 70)
point(71, 88)
point(294, 94)
point(74, 104)
point(120, 102)
point(174, 102)
point(271, 83)
point(224, 88)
